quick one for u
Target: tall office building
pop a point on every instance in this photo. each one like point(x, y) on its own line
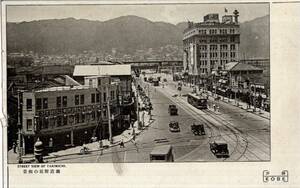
point(210, 44)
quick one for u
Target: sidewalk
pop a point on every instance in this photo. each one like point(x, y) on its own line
point(243, 106)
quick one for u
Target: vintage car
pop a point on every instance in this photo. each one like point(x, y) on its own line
point(198, 129)
point(174, 126)
point(219, 149)
point(163, 153)
point(173, 110)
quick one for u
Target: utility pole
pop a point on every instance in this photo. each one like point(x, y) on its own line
point(19, 130)
point(137, 109)
point(108, 113)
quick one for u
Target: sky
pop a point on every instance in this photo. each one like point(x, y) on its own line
point(171, 13)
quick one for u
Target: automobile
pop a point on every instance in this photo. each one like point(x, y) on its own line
point(145, 79)
point(174, 126)
point(172, 109)
point(174, 95)
point(165, 80)
point(150, 79)
point(219, 149)
point(179, 88)
point(198, 129)
point(163, 153)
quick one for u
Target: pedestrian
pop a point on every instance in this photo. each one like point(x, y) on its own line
point(14, 147)
point(214, 106)
point(134, 142)
point(122, 144)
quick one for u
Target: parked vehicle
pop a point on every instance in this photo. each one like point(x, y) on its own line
point(219, 149)
point(150, 79)
point(162, 153)
point(155, 82)
point(198, 129)
point(172, 109)
point(174, 126)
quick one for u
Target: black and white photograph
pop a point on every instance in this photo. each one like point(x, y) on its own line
point(144, 83)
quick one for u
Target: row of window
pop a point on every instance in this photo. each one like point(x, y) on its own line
point(63, 120)
point(62, 101)
point(217, 39)
point(214, 31)
point(203, 62)
point(215, 47)
point(213, 54)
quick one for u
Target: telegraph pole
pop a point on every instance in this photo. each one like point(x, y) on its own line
point(137, 109)
point(108, 111)
point(19, 130)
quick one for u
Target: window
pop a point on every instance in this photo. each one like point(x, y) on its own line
point(232, 54)
point(45, 103)
point(224, 47)
point(104, 113)
point(112, 93)
point(98, 115)
point(93, 116)
point(76, 118)
point(38, 103)
point(58, 102)
point(93, 98)
point(82, 118)
point(231, 39)
point(98, 97)
point(232, 47)
point(29, 104)
point(59, 121)
point(104, 96)
point(76, 99)
point(65, 101)
point(81, 99)
point(65, 120)
point(46, 123)
point(29, 124)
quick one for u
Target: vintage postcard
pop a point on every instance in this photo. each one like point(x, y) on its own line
point(120, 92)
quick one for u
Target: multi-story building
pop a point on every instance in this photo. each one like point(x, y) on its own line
point(70, 115)
point(210, 44)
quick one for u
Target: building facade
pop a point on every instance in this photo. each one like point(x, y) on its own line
point(210, 45)
point(69, 115)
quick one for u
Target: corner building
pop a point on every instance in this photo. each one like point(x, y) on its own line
point(209, 45)
point(70, 115)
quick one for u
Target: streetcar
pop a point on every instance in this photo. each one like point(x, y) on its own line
point(197, 101)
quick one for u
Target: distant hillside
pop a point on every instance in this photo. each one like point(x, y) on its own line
point(255, 38)
point(126, 33)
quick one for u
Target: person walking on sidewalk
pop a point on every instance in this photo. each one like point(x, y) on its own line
point(14, 146)
point(122, 144)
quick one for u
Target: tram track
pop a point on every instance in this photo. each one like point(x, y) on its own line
point(213, 128)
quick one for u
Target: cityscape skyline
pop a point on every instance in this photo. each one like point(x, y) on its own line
point(154, 13)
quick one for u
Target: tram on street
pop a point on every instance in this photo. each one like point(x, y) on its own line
point(197, 101)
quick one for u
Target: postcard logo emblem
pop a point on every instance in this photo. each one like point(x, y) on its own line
point(283, 177)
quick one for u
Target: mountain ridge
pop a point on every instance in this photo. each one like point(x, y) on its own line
point(126, 33)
